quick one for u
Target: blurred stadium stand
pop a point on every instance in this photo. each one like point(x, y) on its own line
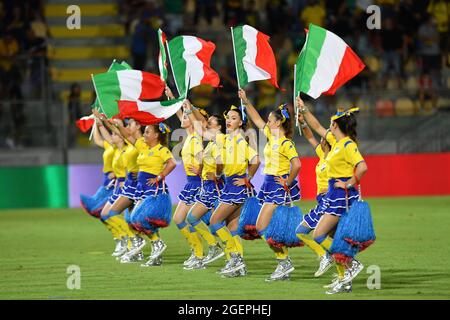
point(404, 93)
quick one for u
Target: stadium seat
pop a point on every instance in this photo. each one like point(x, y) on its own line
point(364, 106)
point(373, 63)
point(412, 83)
point(384, 108)
point(392, 84)
point(443, 103)
point(202, 96)
point(404, 107)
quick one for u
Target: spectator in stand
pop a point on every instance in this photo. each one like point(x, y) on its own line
point(440, 10)
point(429, 50)
point(142, 34)
point(74, 110)
point(427, 91)
point(314, 13)
point(205, 9)
point(391, 48)
point(232, 10)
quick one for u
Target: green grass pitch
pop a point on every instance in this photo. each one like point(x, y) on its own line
point(37, 246)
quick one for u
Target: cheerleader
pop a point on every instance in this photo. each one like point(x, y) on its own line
point(311, 219)
point(345, 167)
point(214, 131)
point(153, 162)
point(240, 162)
point(191, 154)
point(282, 166)
point(107, 216)
point(93, 205)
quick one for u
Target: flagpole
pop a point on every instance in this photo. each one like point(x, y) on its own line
point(235, 62)
point(171, 67)
point(294, 97)
point(94, 127)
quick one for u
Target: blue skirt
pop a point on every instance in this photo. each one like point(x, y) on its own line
point(117, 191)
point(272, 192)
point(232, 194)
point(191, 189)
point(143, 190)
point(209, 193)
point(334, 200)
point(129, 188)
point(106, 180)
point(314, 215)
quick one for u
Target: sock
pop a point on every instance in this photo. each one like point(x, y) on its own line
point(327, 243)
point(226, 237)
point(206, 234)
point(282, 254)
point(314, 246)
point(197, 244)
point(238, 243)
point(340, 270)
point(153, 237)
point(118, 220)
point(116, 230)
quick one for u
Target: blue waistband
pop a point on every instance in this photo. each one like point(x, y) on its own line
point(145, 175)
point(229, 180)
point(271, 178)
point(193, 179)
point(332, 181)
point(132, 175)
point(120, 179)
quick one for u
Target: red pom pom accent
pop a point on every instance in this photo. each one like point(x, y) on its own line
point(342, 258)
point(158, 223)
point(361, 245)
point(250, 233)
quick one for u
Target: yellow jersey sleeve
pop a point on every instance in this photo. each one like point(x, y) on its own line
point(352, 154)
point(319, 151)
point(288, 150)
point(330, 138)
point(140, 144)
point(106, 145)
point(165, 154)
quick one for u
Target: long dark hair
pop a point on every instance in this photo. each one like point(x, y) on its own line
point(347, 125)
point(286, 121)
point(163, 137)
point(221, 122)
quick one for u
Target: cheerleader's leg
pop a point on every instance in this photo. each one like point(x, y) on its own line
point(302, 232)
point(218, 217)
point(194, 218)
point(232, 224)
point(187, 230)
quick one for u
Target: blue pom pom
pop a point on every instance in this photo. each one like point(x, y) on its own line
point(247, 219)
point(281, 229)
point(156, 211)
point(94, 205)
point(354, 233)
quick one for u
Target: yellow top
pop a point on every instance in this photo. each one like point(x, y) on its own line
point(321, 171)
point(343, 158)
point(152, 160)
point(108, 155)
point(191, 148)
point(130, 157)
point(278, 154)
point(236, 153)
point(210, 154)
point(330, 138)
point(118, 165)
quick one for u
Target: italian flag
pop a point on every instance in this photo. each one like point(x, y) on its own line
point(190, 58)
point(162, 63)
point(149, 112)
point(325, 63)
point(125, 85)
point(85, 123)
point(115, 66)
point(254, 56)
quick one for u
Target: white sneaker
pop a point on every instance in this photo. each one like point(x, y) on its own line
point(353, 271)
point(284, 268)
point(158, 247)
point(118, 245)
point(196, 264)
point(236, 263)
point(326, 261)
point(215, 252)
point(340, 287)
point(137, 243)
point(152, 262)
point(121, 247)
point(188, 261)
point(333, 282)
